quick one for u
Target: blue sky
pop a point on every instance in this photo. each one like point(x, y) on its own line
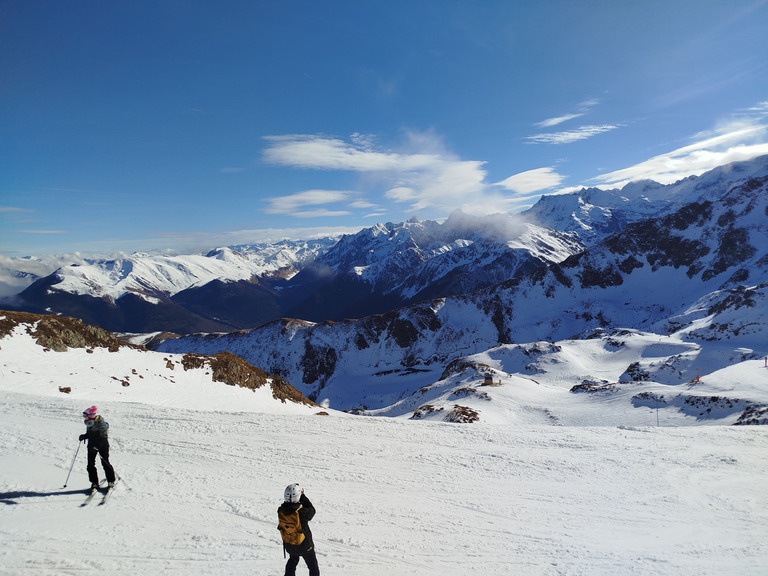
point(189, 125)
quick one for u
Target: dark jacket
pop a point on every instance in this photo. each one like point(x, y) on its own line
point(306, 513)
point(97, 435)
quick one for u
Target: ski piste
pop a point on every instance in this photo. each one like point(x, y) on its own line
point(109, 493)
point(92, 493)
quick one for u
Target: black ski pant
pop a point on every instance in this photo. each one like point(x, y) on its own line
point(103, 451)
point(309, 557)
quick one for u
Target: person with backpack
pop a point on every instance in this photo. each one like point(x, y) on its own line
point(96, 434)
point(293, 517)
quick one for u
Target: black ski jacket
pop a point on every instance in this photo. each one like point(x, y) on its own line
point(97, 435)
point(306, 514)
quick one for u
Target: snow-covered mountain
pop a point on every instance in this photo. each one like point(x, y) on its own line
point(378, 269)
point(145, 292)
point(698, 275)
point(594, 213)
point(391, 265)
point(383, 267)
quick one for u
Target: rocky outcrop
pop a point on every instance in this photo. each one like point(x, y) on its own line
point(60, 332)
point(234, 371)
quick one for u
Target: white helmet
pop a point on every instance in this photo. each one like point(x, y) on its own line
point(292, 493)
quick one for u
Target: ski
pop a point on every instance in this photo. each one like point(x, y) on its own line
point(108, 493)
point(91, 493)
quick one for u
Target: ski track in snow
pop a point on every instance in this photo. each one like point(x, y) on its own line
point(201, 488)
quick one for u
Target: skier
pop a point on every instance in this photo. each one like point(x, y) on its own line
point(98, 443)
point(294, 515)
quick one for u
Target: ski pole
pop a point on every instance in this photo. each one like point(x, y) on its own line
point(73, 464)
point(123, 481)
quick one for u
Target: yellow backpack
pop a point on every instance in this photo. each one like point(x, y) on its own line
point(289, 525)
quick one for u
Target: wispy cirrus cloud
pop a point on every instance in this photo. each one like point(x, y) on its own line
point(12, 209)
point(581, 110)
point(569, 136)
point(532, 180)
point(297, 204)
point(739, 138)
point(574, 135)
point(760, 109)
point(549, 122)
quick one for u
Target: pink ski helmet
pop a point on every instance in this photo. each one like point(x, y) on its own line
point(89, 413)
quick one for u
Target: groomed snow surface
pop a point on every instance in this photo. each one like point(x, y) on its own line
point(204, 465)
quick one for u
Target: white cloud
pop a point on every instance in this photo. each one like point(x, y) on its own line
point(761, 108)
point(320, 213)
point(424, 175)
point(449, 182)
point(532, 180)
point(319, 152)
point(583, 108)
point(401, 194)
point(363, 141)
point(568, 136)
point(549, 122)
point(362, 204)
point(293, 203)
point(731, 142)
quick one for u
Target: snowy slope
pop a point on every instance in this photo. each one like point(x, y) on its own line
point(203, 467)
point(374, 362)
point(129, 374)
point(623, 379)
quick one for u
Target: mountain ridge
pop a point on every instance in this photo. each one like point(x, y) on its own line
point(380, 268)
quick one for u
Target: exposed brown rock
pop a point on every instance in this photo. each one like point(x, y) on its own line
point(61, 332)
point(234, 371)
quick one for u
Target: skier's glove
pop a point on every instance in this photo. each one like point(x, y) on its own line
point(83, 437)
